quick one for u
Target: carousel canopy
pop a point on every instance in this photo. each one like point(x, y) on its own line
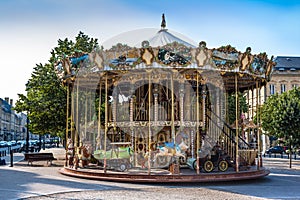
point(164, 37)
point(168, 51)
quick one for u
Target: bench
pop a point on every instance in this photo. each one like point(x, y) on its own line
point(30, 157)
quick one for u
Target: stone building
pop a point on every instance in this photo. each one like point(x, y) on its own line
point(12, 124)
point(285, 76)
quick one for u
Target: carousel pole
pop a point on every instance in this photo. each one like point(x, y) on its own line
point(173, 121)
point(149, 124)
point(73, 120)
point(86, 115)
point(172, 111)
point(236, 124)
point(226, 142)
point(77, 120)
point(197, 126)
point(114, 115)
point(248, 114)
point(257, 121)
point(203, 94)
point(67, 124)
point(99, 119)
point(106, 123)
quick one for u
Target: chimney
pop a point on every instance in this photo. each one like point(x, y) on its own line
point(11, 102)
point(6, 99)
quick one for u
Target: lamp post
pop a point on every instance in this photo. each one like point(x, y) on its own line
point(27, 134)
point(290, 152)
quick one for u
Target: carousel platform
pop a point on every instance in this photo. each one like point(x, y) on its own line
point(163, 175)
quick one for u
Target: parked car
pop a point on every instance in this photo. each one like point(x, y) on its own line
point(3, 144)
point(275, 149)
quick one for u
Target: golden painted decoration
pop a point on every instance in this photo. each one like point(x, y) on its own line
point(147, 56)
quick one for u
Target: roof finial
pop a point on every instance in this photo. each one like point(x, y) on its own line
point(163, 22)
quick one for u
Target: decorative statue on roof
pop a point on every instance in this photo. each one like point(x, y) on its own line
point(163, 22)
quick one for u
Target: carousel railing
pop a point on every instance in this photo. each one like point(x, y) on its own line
point(247, 153)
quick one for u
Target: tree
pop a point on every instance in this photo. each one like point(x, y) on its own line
point(45, 101)
point(242, 106)
point(281, 116)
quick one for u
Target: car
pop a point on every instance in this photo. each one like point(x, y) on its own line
point(3, 144)
point(275, 149)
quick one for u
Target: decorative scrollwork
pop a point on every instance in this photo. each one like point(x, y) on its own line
point(145, 44)
point(227, 49)
point(259, 64)
point(169, 58)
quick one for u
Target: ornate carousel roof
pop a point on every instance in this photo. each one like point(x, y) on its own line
point(167, 51)
point(164, 37)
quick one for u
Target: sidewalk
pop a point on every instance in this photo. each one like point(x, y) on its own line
point(58, 153)
point(281, 163)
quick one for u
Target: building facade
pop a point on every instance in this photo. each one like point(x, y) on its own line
point(286, 75)
point(12, 124)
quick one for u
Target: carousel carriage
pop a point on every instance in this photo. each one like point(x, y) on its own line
point(117, 158)
point(217, 159)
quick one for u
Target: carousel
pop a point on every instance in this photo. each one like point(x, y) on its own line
point(158, 111)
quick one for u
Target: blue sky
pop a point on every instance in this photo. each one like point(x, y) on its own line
point(31, 28)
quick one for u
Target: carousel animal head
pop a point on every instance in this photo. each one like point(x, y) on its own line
point(70, 143)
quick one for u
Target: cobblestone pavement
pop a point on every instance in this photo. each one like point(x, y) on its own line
point(44, 182)
point(151, 193)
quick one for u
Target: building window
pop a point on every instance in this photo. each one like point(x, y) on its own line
point(283, 88)
point(272, 89)
point(294, 86)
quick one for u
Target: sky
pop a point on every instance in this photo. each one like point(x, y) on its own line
point(30, 29)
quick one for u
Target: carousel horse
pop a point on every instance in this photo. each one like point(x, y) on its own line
point(85, 154)
point(70, 152)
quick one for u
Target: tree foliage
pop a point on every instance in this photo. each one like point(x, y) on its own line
point(45, 101)
point(242, 106)
point(281, 115)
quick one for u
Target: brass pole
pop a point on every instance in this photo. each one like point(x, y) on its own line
point(172, 111)
point(197, 126)
point(76, 128)
point(99, 118)
point(236, 124)
point(86, 115)
point(257, 121)
point(106, 122)
point(173, 116)
point(77, 117)
point(67, 124)
point(72, 119)
point(149, 124)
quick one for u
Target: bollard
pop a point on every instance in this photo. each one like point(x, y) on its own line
point(11, 158)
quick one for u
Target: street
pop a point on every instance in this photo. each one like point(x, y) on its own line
point(43, 182)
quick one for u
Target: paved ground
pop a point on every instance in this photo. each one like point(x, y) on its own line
point(43, 182)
